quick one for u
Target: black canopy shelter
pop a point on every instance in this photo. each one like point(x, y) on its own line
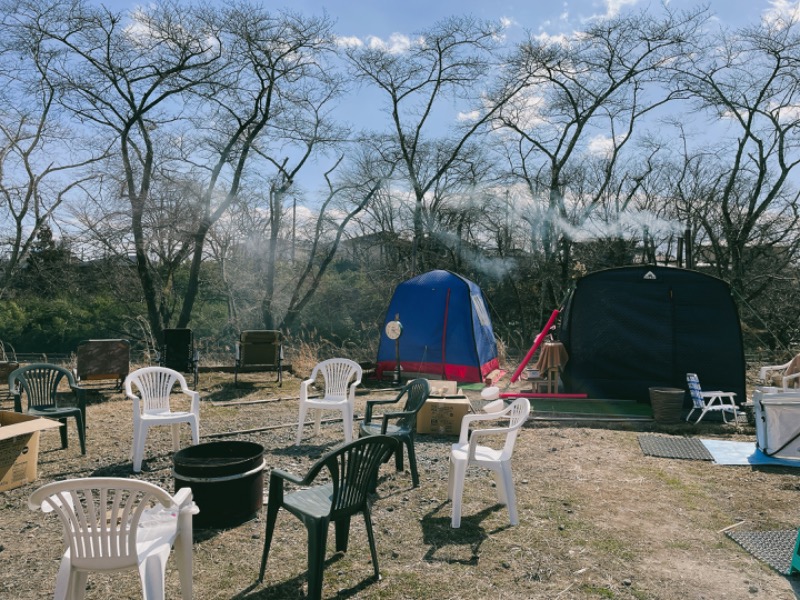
point(632, 328)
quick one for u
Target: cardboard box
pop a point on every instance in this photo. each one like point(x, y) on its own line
point(441, 388)
point(442, 416)
point(19, 447)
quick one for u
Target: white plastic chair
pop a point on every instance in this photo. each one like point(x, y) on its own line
point(468, 452)
point(118, 524)
point(341, 377)
point(788, 374)
point(151, 407)
point(706, 402)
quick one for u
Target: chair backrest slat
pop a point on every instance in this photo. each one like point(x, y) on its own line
point(352, 468)
point(155, 385)
point(694, 390)
point(517, 415)
point(38, 384)
point(417, 392)
point(338, 374)
point(100, 517)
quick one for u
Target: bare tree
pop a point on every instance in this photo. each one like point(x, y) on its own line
point(124, 76)
point(738, 192)
point(581, 101)
point(42, 162)
point(263, 119)
point(453, 61)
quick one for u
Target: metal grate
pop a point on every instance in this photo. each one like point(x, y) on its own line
point(674, 447)
point(772, 547)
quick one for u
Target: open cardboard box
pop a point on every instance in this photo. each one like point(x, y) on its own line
point(19, 447)
point(440, 388)
point(442, 412)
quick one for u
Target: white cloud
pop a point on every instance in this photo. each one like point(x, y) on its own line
point(397, 43)
point(613, 7)
point(559, 39)
point(602, 145)
point(525, 109)
point(506, 22)
point(468, 116)
point(350, 41)
point(786, 114)
point(781, 13)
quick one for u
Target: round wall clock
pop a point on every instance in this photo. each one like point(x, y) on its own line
point(394, 329)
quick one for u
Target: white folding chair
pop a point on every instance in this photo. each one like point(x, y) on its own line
point(468, 452)
point(118, 524)
point(151, 407)
point(341, 377)
point(706, 402)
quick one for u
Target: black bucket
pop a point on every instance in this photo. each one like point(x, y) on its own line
point(227, 481)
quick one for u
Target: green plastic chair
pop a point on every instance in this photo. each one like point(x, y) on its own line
point(38, 385)
point(351, 470)
point(404, 427)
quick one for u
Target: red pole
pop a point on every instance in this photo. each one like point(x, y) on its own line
point(536, 343)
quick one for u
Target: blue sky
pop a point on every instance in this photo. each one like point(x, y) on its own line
point(379, 18)
point(382, 19)
point(393, 22)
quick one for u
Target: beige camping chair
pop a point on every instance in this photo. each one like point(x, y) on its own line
point(103, 359)
point(259, 350)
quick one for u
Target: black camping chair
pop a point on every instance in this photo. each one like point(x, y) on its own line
point(38, 385)
point(178, 352)
point(351, 470)
point(404, 426)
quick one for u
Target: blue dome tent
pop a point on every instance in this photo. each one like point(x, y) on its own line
point(447, 332)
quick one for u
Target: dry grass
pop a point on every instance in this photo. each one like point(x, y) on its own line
point(598, 519)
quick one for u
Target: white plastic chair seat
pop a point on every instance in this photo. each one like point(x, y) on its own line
point(151, 407)
point(116, 524)
point(341, 376)
point(483, 454)
point(468, 452)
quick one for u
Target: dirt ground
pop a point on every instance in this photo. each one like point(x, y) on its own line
point(598, 518)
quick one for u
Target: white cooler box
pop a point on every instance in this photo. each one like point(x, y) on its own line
point(777, 417)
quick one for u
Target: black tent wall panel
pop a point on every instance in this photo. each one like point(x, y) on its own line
point(632, 328)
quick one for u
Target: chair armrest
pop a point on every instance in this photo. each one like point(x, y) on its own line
point(304, 385)
point(352, 394)
point(762, 372)
point(478, 433)
point(392, 415)
point(280, 474)
point(717, 393)
point(195, 402)
point(183, 498)
point(80, 394)
point(789, 378)
point(372, 403)
point(464, 434)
